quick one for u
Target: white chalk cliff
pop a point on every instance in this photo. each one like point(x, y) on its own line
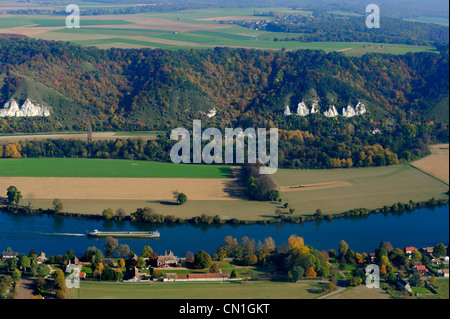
point(315, 107)
point(287, 111)
point(349, 111)
point(211, 112)
point(360, 108)
point(11, 109)
point(331, 112)
point(302, 109)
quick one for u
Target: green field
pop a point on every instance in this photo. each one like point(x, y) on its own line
point(75, 167)
point(247, 290)
point(371, 187)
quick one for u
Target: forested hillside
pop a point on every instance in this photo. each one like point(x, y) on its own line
point(122, 89)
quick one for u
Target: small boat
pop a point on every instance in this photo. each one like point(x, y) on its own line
point(130, 234)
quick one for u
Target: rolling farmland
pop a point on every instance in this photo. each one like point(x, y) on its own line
point(182, 29)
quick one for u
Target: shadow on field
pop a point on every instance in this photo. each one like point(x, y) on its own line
point(164, 202)
point(226, 172)
point(234, 189)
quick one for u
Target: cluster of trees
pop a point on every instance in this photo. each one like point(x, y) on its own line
point(335, 28)
point(294, 259)
point(13, 195)
point(133, 149)
point(347, 145)
point(6, 283)
point(258, 186)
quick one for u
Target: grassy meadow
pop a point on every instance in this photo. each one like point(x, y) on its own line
point(246, 290)
point(79, 167)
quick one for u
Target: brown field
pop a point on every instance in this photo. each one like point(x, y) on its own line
point(144, 189)
point(30, 30)
point(437, 164)
point(307, 187)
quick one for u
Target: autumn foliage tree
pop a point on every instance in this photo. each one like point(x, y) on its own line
point(295, 242)
point(310, 272)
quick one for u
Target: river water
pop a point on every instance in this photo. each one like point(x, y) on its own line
point(55, 235)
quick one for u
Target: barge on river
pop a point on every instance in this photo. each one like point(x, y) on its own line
point(129, 234)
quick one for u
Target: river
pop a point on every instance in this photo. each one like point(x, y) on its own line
point(56, 235)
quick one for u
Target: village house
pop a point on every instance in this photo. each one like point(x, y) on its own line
point(443, 272)
point(420, 269)
point(9, 255)
point(41, 258)
point(167, 260)
point(409, 250)
point(403, 284)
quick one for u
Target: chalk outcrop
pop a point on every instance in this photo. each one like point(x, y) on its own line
point(331, 112)
point(360, 108)
point(349, 111)
point(315, 107)
point(302, 109)
point(211, 113)
point(28, 109)
point(287, 111)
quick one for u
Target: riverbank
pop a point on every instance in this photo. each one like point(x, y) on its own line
point(151, 217)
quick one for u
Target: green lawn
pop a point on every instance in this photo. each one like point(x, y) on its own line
point(443, 288)
point(422, 291)
point(248, 290)
point(76, 167)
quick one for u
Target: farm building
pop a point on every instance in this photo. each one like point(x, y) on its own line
point(196, 277)
point(403, 284)
point(420, 269)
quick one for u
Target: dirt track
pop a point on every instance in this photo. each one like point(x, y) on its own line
point(308, 187)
